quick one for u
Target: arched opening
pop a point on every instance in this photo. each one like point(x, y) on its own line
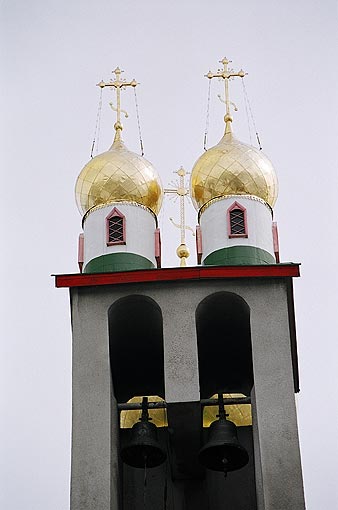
point(225, 366)
point(224, 345)
point(136, 347)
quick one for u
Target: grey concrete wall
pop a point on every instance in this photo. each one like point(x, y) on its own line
point(278, 470)
point(180, 344)
point(94, 473)
point(276, 432)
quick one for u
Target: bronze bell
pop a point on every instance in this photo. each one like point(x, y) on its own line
point(223, 452)
point(143, 450)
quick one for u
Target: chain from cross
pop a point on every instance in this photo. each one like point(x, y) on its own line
point(226, 74)
point(118, 84)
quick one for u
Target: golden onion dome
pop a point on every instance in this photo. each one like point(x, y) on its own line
point(233, 168)
point(118, 175)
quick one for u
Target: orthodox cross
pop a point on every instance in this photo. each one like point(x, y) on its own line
point(226, 74)
point(118, 84)
point(182, 192)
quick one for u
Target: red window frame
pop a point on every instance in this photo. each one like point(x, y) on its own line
point(234, 206)
point(115, 213)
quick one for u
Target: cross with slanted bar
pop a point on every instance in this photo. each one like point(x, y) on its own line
point(182, 192)
point(226, 74)
point(118, 84)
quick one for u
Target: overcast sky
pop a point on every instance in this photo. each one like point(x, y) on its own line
point(53, 54)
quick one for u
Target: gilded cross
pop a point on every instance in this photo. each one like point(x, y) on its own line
point(182, 192)
point(118, 83)
point(226, 74)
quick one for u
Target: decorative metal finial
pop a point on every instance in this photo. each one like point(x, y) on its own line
point(226, 74)
point(118, 84)
point(182, 192)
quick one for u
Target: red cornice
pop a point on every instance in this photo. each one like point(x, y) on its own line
point(175, 273)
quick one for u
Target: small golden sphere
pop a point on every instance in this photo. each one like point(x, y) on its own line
point(183, 251)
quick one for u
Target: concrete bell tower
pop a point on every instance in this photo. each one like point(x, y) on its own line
point(194, 341)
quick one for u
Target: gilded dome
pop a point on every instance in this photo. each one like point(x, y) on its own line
point(233, 168)
point(118, 175)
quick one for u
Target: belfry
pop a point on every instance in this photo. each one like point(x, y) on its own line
point(183, 378)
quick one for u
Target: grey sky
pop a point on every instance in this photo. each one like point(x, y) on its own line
point(54, 52)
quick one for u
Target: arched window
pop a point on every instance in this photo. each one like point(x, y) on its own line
point(115, 228)
point(237, 224)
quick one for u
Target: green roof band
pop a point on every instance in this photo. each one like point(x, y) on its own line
point(113, 262)
point(239, 256)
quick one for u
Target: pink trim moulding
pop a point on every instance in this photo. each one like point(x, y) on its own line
point(158, 247)
point(275, 240)
point(199, 249)
point(80, 255)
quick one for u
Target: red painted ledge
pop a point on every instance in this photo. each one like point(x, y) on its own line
point(175, 273)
